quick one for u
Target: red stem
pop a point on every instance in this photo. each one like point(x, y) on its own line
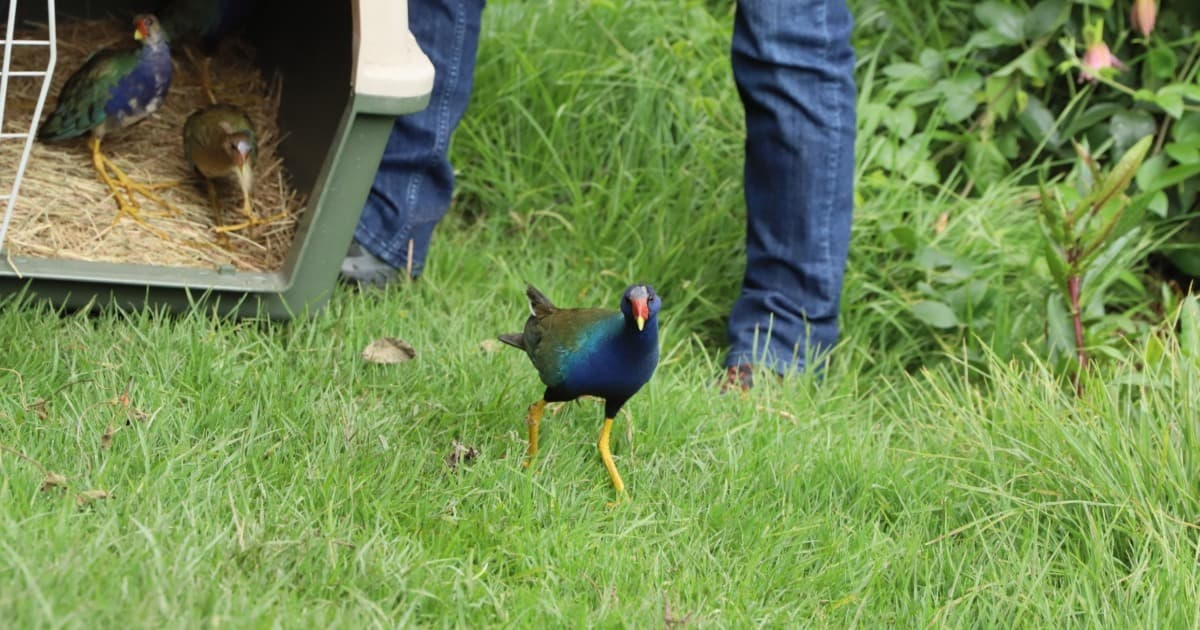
point(1077, 319)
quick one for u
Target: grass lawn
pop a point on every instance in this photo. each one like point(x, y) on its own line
point(205, 472)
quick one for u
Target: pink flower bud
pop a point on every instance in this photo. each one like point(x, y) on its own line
point(1097, 58)
point(1143, 15)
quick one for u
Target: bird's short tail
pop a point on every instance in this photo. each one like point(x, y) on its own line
point(539, 304)
point(53, 129)
point(516, 340)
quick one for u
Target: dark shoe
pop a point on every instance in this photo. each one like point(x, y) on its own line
point(739, 377)
point(362, 268)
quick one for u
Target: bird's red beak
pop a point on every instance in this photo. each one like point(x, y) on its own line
point(141, 32)
point(641, 311)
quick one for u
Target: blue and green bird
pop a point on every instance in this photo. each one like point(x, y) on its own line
point(113, 89)
point(590, 352)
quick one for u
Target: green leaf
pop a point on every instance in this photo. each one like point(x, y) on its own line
point(934, 313)
point(1034, 63)
point(905, 236)
point(987, 39)
point(1129, 126)
point(1038, 122)
point(1090, 117)
point(908, 77)
point(1056, 264)
point(1150, 171)
point(960, 94)
point(1186, 258)
point(985, 163)
point(1184, 153)
point(1159, 205)
point(903, 121)
point(1161, 62)
point(1167, 178)
point(1104, 266)
point(909, 161)
point(1001, 94)
point(1186, 130)
point(1132, 217)
point(1060, 331)
point(1045, 18)
point(1170, 98)
point(1003, 19)
point(951, 269)
point(1117, 180)
point(1154, 352)
point(1191, 91)
point(1189, 328)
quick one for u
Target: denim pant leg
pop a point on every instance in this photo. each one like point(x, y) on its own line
point(794, 68)
point(415, 180)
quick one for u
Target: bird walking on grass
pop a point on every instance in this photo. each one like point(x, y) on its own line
point(113, 89)
point(590, 351)
point(219, 142)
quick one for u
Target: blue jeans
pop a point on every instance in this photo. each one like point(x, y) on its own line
point(415, 181)
point(794, 68)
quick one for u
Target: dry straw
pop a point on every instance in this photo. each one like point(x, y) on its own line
point(64, 211)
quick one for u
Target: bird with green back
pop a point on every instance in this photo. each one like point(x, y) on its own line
point(113, 89)
point(590, 352)
point(219, 142)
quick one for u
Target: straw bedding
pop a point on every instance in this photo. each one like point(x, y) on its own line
point(65, 211)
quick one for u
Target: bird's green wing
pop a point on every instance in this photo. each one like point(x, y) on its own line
point(82, 101)
point(567, 335)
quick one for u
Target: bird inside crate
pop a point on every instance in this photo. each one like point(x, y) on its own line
point(164, 143)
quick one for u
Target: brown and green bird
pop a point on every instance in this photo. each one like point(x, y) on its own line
point(590, 352)
point(115, 88)
point(219, 142)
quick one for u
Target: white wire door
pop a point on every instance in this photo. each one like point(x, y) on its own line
point(8, 198)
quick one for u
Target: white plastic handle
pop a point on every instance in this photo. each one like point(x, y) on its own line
point(387, 60)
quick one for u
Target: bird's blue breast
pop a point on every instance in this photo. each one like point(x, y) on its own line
point(612, 361)
point(142, 91)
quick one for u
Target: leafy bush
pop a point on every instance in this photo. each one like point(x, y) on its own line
point(1004, 96)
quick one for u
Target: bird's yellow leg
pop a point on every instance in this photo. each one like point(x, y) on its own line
point(126, 206)
point(212, 197)
point(131, 207)
point(606, 456)
point(100, 164)
point(212, 201)
point(533, 420)
point(222, 238)
point(252, 219)
point(146, 190)
point(205, 80)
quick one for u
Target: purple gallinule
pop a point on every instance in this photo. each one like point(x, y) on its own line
point(219, 142)
point(590, 351)
point(113, 89)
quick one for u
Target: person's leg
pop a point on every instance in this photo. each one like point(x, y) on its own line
point(415, 181)
point(794, 68)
